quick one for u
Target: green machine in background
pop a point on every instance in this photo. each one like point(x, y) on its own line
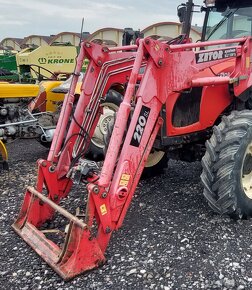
point(8, 66)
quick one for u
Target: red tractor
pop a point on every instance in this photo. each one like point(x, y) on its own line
point(188, 101)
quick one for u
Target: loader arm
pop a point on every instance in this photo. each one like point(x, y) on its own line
point(110, 189)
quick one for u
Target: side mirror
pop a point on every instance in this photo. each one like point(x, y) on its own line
point(181, 13)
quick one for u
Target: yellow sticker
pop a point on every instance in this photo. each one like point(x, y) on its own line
point(157, 47)
point(124, 179)
point(103, 209)
point(123, 182)
point(125, 176)
point(247, 62)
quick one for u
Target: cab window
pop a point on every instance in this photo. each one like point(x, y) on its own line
point(232, 23)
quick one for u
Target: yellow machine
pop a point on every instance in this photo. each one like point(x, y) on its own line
point(46, 61)
point(3, 157)
point(46, 100)
point(8, 90)
point(30, 111)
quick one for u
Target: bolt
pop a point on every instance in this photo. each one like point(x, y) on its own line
point(147, 41)
point(43, 163)
point(99, 62)
point(95, 189)
point(104, 194)
point(108, 230)
point(105, 49)
point(160, 62)
point(51, 168)
point(55, 197)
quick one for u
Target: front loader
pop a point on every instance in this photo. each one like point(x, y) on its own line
point(176, 97)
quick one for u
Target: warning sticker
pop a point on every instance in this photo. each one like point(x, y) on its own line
point(124, 179)
point(103, 209)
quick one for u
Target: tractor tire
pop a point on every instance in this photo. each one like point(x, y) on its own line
point(110, 106)
point(156, 163)
point(157, 160)
point(227, 166)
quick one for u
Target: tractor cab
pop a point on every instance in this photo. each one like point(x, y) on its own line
point(224, 19)
point(227, 19)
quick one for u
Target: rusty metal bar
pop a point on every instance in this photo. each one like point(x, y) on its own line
point(175, 47)
point(126, 47)
point(210, 81)
point(56, 207)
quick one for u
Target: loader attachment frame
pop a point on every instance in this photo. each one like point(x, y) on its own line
point(110, 189)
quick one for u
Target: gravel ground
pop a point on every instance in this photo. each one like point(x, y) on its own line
point(170, 238)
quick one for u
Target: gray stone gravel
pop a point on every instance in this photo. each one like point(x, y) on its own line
point(170, 240)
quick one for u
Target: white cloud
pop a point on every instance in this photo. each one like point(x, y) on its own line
point(47, 17)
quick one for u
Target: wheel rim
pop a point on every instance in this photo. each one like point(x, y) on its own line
point(101, 129)
point(154, 158)
point(246, 178)
point(107, 118)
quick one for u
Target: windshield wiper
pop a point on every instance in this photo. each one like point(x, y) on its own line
point(221, 22)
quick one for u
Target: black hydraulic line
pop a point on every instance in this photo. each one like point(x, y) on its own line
point(186, 27)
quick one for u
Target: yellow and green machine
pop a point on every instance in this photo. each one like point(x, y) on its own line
point(32, 64)
point(46, 62)
point(28, 104)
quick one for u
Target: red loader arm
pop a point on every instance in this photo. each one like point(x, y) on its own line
point(110, 190)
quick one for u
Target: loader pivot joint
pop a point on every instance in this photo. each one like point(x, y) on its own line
point(84, 169)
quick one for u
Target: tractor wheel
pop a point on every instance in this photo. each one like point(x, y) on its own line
point(157, 160)
point(156, 163)
point(110, 107)
point(227, 166)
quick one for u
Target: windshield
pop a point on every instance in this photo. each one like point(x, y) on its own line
point(232, 23)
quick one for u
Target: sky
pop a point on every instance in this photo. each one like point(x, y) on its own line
point(20, 18)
